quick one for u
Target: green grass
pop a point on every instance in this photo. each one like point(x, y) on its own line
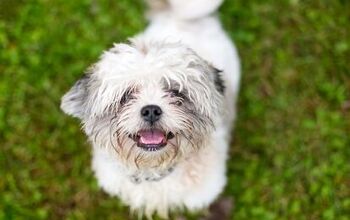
point(290, 158)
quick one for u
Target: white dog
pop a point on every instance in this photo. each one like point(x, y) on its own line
point(159, 111)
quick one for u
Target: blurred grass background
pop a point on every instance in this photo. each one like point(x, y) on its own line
point(290, 158)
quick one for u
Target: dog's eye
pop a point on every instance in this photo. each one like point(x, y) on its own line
point(180, 97)
point(126, 97)
point(178, 103)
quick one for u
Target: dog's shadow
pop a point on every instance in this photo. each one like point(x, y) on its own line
point(219, 210)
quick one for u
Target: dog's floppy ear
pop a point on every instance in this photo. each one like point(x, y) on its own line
point(219, 82)
point(72, 103)
point(213, 73)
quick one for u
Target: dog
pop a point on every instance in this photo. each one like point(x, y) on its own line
point(159, 110)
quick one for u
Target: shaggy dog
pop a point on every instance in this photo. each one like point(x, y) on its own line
point(159, 110)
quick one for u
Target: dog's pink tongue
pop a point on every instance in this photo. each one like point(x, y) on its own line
point(151, 137)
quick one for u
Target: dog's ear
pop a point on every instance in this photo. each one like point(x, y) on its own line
point(72, 103)
point(218, 81)
point(213, 73)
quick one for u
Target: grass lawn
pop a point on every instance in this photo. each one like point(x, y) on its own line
point(290, 158)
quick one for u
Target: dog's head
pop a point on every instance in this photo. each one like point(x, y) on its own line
point(153, 103)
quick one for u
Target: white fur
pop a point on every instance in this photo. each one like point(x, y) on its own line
point(193, 9)
point(199, 177)
point(194, 184)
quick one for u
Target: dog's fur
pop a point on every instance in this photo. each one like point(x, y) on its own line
point(185, 64)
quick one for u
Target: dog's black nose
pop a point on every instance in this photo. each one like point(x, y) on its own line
point(151, 113)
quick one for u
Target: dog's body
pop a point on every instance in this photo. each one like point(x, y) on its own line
point(194, 177)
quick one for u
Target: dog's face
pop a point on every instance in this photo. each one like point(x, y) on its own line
point(152, 103)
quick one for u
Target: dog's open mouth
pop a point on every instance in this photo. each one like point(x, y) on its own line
point(152, 139)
